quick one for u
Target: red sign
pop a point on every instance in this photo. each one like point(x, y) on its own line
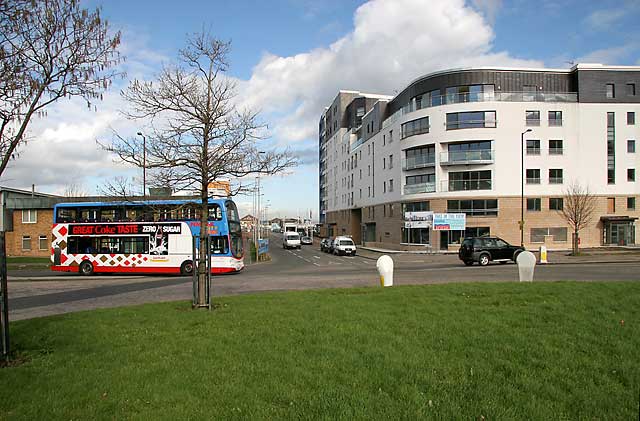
point(122, 229)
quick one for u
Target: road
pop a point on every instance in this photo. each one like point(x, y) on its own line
point(289, 270)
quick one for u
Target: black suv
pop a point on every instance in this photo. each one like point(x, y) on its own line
point(486, 249)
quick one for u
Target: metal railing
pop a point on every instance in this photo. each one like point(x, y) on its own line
point(555, 122)
point(466, 157)
point(534, 180)
point(533, 151)
point(420, 188)
point(471, 124)
point(555, 180)
point(555, 151)
point(465, 185)
point(532, 122)
point(419, 161)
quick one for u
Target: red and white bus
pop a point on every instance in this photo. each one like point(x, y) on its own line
point(143, 237)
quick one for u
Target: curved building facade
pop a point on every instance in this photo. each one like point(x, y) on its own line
point(500, 145)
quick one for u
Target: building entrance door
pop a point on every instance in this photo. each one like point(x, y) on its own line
point(620, 233)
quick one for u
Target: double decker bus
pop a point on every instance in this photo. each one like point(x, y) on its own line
point(143, 237)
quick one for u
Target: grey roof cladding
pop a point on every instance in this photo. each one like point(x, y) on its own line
point(592, 86)
point(503, 80)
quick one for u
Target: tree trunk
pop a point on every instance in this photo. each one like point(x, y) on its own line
point(574, 243)
point(204, 253)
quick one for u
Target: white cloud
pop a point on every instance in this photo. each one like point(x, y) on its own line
point(489, 8)
point(613, 55)
point(604, 19)
point(387, 48)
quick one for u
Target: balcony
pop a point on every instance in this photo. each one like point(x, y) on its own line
point(467, 157)
point(420, 188)
point(532, 122)
point(466, 185)
point(419, 161)
point(555, 122)
point(471, 124)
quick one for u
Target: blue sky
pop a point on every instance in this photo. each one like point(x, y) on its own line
point(290, 58)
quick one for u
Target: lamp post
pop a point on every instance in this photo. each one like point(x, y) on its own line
point(144, 164)
point(522, 187)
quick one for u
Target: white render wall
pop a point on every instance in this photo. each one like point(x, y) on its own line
point(584, 158)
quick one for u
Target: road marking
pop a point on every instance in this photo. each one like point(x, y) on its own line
point(316, 257)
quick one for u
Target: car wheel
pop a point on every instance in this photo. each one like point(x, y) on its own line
point(515, 256)
point(468, 262)
point(484, 259)
point(86, 268)
point(186, 268)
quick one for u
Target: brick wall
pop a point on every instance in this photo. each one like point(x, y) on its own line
point(42, 226)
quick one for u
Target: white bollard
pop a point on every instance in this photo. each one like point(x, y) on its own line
point(543, 255)
point(526, 264)
point(385, 269)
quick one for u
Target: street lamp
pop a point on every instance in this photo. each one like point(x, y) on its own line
point(522, 187)
point(144, 164)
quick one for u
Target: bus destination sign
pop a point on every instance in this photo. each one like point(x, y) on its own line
point(123, 229)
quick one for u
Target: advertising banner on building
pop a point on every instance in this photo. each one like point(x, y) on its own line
point(449, 221)
point(422, 219)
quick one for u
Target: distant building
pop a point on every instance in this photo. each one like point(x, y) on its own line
point(248, 222)
point(450, 143)
point(27, 217)
point(219, 189)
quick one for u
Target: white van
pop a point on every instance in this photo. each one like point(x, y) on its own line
point(291, 240)
point(343, 245)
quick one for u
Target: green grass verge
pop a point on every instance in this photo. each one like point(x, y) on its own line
point(463, 351)
point(28, 260)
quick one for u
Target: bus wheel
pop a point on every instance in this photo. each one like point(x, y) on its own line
point(186, 268)
point(86, 268)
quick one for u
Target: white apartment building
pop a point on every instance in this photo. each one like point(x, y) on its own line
point(456, 141)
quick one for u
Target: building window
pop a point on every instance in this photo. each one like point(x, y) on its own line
point(559, 234)
point(611, 148)
point(470, 180)
point(488, 207)
point(390, 186)
point(416, 206)
point(384, 163)
point(469, 93)
point(556, 203)
point(26, 242)
point(469, 151)
point(631, 203)
point(534, 204)
point(532, 118)
point(631, 146)
point(43, 244)
point(631, 118)
point(384, 187)
point(29, 216)
point(555, 176)
point(456, 236)
point(420, 157)
point(470, 120)
point(413, 127)
point(533, 147)
point(415, 235)
point(359, 111)
point(555, 147)
point(631, 89)
point(631, 174)
point(390, 136)
point(533, 176)
point(611, 91)
point(368, 191)
point(555, 118)
point(390, 161)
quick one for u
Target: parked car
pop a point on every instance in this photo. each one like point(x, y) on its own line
point(306, 240)
point(291, 240)
point(325, 244)
point(487, 249)
point(343, 246)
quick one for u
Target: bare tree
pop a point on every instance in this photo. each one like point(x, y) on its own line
point(197, 134)
point(578, 209)
point(74, 189)
point(49, 50)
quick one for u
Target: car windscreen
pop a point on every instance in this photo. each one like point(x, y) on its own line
point(346, 243)
point(292, 237)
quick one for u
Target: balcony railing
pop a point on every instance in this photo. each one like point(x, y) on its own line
point(532, 122)
point(555, 122)
point(555, 151)
point(419, 161)
point(533, 180)
point(484, 156)
point(555, 180)
point(471, 124)
point(464, 185)
point(420, 188)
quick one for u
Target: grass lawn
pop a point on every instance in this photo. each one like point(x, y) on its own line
point(20, 263)
point(499, 351)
